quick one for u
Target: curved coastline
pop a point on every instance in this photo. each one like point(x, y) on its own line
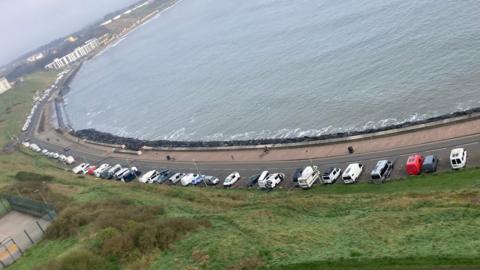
point(138, 144)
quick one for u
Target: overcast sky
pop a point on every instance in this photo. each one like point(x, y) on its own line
point(27, 24)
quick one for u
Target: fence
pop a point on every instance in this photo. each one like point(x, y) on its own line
point(22, 224)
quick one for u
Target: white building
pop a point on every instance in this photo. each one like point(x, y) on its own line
point(78, 53)
point(4, 85)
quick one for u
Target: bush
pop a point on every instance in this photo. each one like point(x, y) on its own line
point(30, 176)
point(122, 229)
point(80, 259)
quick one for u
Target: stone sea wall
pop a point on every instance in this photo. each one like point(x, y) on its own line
point(137, 144)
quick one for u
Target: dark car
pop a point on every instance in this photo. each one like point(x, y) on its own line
point(430, 164)
point(296, 174)
point(164, 175)
point(131, 175)
point(253, 180)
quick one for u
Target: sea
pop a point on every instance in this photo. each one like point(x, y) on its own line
point(251, 69)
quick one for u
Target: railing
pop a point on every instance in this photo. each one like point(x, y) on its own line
point(26, 221)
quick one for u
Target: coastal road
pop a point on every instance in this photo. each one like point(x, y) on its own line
point(246, 169)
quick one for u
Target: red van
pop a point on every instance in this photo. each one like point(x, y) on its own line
point(414, 164)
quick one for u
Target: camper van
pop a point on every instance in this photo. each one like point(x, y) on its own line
point(352, 173)
point(382, 171)
point(458, 158)
point(309, 176)
point(80, 168)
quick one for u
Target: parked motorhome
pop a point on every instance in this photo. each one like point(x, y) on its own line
point(352, 173)
point(231, 179)
point(309, 176)
point(382, 171)
point(430, 164)
point(331, 174)
point(458, 158)
point(80, 168)
point(414, 164)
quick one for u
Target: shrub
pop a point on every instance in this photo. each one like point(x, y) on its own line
point(79, 259)
point(30, 176)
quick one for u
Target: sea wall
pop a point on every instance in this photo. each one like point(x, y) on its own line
point(137, 144)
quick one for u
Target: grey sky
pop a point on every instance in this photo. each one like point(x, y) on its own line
point(27, 24)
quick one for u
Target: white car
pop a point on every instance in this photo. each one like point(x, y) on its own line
point(309, 176)
point(80, 168)
point(69, 160)
point(352, 173)
point(26, 144)
point(45, 152)
point(101, 169)
point(458, 158)
point(262, 180)
point(56, 155)
point(176, 177)
point(330, 175)
point(231, 179)
point(62, 158)
point(118, 175)
point(188, 178)
point(35, 148)
point(273, 180)
point(148, 177)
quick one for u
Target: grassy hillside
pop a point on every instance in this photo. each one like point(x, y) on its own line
point(415, 223)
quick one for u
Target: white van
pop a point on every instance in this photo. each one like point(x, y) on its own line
point(101, 169)
point(458, 158)
point(309, 176)
point(352, 173)
point(273, 180)
point(69, 160)
point(262, 180)
point(147, 177)
point(187, 179)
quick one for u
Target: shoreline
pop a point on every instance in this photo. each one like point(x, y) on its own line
point(135, 144)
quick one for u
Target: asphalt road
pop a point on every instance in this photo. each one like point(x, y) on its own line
point(222, 169)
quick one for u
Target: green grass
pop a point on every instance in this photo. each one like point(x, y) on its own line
point(417, 223)
point(426, 222)
point(16, 103)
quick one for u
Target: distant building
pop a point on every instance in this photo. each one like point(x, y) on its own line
point(35, 57)
point(79, 52)
point(4, 85)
